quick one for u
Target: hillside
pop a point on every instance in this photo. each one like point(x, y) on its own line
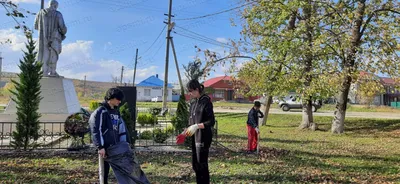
point(94, 89)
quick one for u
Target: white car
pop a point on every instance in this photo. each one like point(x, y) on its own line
point(292, 102)
point(157, 99)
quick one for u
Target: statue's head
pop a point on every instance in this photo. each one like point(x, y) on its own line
point(53, 4)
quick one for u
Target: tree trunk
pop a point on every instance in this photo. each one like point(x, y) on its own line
point(348, 69)
point(308, 120)
point(267, 106)
point(340, 112)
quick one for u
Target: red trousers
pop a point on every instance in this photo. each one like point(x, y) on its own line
point(252, 138)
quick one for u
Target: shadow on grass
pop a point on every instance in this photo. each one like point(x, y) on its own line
point(235, 138)
point(23, 173)
point(315, 160)
point(230, 115)
point(364, 126)
point(248, 178)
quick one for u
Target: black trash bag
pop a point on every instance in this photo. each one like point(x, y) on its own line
point(125, 165)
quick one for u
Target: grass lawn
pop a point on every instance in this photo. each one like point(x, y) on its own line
point(367, 153)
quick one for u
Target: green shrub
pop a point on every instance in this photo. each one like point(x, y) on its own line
point(147, 119)
point(170, 130)
point(155, 111)
point(94, 105)
point(180, 121)
point(160, 136)
point(126, 116)
point(146, 135)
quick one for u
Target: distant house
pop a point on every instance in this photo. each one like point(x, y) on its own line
point(223, 89)
point(390, 95)
point(152, 87)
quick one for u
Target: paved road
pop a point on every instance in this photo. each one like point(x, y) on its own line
point(379, 115)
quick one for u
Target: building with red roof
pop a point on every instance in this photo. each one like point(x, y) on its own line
point(225, 89)
point(390, 95)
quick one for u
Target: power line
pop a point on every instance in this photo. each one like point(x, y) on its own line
point(203, 40)
point(155, 40)
point(217, 13)
point(151, 58)
point(202, 36)
point(209, 42)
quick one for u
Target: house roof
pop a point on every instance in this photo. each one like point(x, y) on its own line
point(153, 81)
point(212, 81)
point(384, 80)
point(388, 81)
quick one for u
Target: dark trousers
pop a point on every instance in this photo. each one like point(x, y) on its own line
point(201, 168)
point(106, 171)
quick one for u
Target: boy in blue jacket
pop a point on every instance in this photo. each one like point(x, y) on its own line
point(110, 136)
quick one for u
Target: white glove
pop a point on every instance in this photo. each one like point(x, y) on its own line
point(192, 129)
point(257, 130)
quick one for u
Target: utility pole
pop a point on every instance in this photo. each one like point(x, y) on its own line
point(165, 95)
point(42, 4)
point(84, 87)
point(134, 70)
point(122, 75)
point(177, 66)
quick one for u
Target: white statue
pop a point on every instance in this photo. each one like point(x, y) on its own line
point(51, 30)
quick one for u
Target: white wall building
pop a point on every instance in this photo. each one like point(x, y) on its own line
point(152, 87)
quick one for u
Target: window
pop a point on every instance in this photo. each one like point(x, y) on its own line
point(219, 94)
point(146, 92)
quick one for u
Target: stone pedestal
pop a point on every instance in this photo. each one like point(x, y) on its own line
point(59, 98)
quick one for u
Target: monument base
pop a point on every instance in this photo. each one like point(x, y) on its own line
point(59, 98)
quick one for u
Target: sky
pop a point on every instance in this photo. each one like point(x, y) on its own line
point(103, 36)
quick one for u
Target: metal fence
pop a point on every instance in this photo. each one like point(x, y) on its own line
point(51, 136)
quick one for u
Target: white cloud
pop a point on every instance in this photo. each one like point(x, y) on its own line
point(16, 38)
point(75, 61)
point(223, 40)
point(146, 72)
point(106, 45)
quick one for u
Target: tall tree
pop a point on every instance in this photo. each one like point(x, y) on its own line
point(194, 70)
point(289, 33)
point(269, 76)
point(364, 35)
point(27, 98)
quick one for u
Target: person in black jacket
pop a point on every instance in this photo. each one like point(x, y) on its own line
point(252, 126)
point(107, 125)
point(201, 121)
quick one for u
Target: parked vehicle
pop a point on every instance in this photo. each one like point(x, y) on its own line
point(156, 99)
point(294, 102)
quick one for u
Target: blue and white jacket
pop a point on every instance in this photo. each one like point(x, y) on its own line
point(107, 127)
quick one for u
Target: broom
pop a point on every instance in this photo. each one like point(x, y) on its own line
point(101, 169)
point(258, 142)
